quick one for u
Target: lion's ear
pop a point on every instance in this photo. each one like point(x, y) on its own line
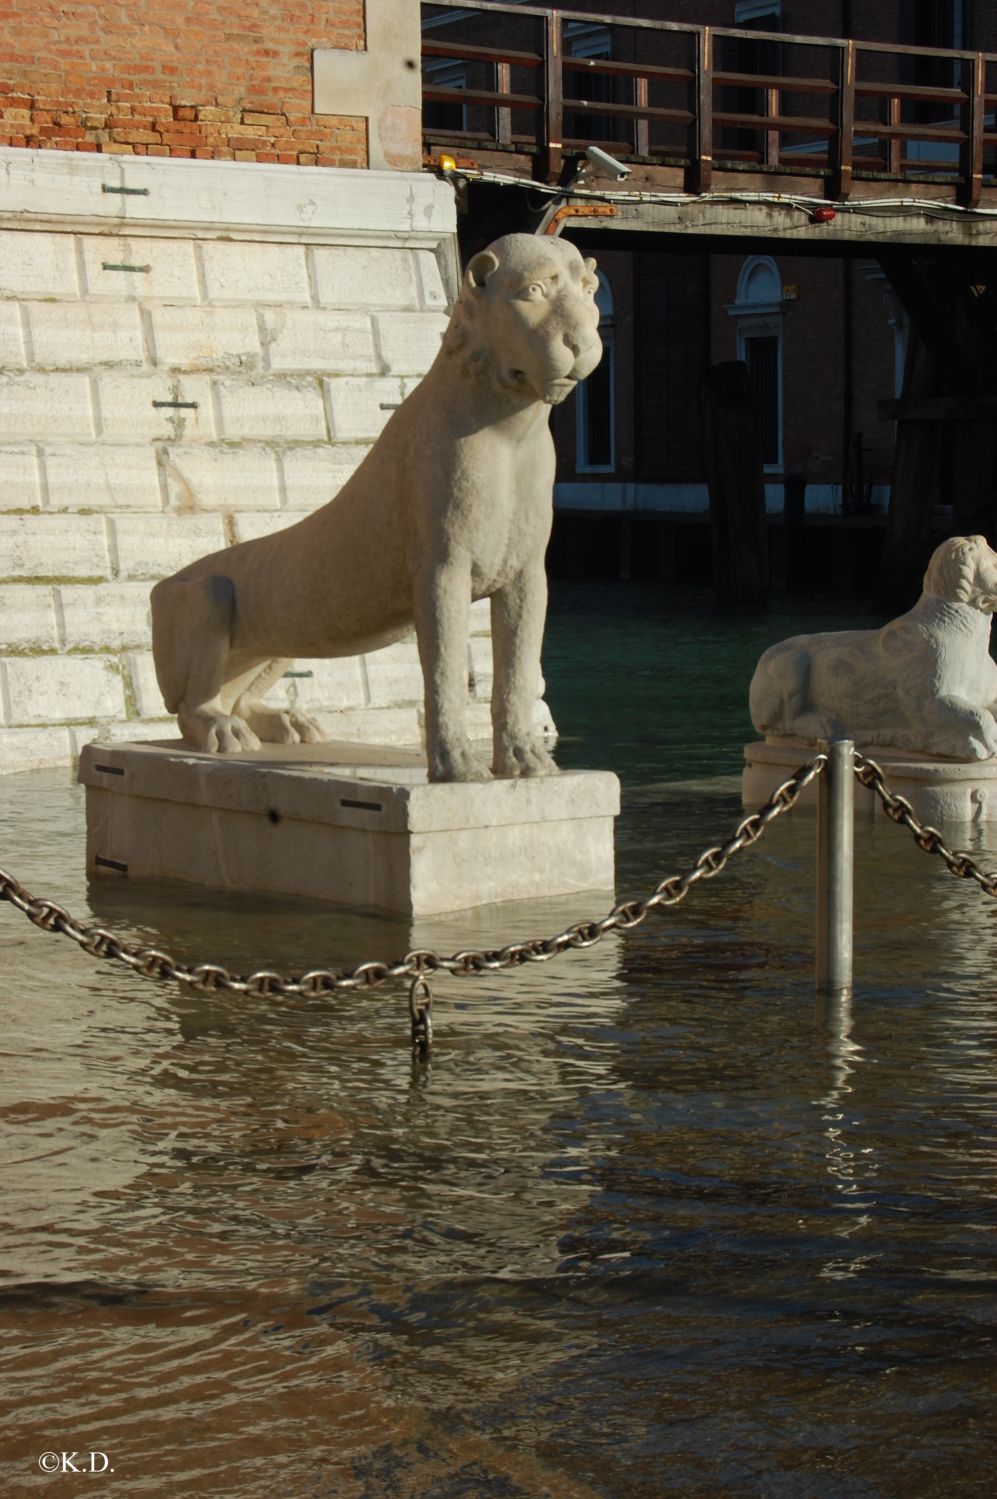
point(590, 264)
point(480, 267)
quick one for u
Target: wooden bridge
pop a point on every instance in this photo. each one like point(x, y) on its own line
point(523, 90)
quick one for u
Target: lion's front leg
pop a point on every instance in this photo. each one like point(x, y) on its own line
point(518, 614)
point(442, 607)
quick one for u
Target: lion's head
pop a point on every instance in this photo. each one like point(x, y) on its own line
point(527, 314)
point(964, 570)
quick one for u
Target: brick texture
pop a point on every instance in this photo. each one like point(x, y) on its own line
point(199, 78)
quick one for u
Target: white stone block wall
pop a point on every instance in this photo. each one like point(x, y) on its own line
point(198, 359)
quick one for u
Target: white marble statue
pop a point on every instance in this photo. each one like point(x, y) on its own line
point(925, 682)
point(452, 503)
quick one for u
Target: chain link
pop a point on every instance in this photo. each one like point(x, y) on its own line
point(150, 962)
point(420, 1008)
point(869, 774)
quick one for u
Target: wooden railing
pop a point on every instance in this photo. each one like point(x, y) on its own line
point(669, 94)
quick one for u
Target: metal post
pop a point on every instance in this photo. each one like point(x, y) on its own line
point(835, 867)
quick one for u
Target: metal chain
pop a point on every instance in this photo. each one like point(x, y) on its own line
point(869, 774)
point(420, 1009)
point(150, 962)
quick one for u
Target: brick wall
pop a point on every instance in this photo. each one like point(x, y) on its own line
point(213, 79)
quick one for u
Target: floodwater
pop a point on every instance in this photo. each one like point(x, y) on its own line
point(651, 1223)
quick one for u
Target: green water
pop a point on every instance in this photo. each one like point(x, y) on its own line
point(655, 684)
point(652, 1224)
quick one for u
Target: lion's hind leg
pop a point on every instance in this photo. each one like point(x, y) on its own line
point(271, 724)
point(191, 638)
point(779, 697)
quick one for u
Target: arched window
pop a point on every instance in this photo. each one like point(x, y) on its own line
point(758, 313)
point(595, 402)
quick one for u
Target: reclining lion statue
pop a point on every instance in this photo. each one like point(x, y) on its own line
point(924, 683)
point(452, 503)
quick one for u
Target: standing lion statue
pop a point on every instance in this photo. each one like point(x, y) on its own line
point(924, 683)
point(452, 503)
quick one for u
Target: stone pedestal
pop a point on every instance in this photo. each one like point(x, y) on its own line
point(349, 824)
point(940, 791)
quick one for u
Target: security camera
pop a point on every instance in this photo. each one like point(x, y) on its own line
point(606, 164)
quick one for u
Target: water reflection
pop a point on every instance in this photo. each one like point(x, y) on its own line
point(649, 1224)
point(850, 1163)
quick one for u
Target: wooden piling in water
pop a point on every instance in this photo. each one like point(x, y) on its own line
point(733, 463)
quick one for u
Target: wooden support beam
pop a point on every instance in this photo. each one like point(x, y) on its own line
point(911, 92)
point(974, 479)
point(940, 296)
point(701, 129)
point(607, 69)
point(465, 53)
point(787, 81)
point(972, 120)
point(497, 97)
point(894, 145)
point(642, 131)
point(551, 118)
point(503, 114)
point(842, 144)
point(920, 291)
point(773, 121)
point(629, 111)
point(907, 545)
point(947, 135)
point(734, 477)
point(773, 137)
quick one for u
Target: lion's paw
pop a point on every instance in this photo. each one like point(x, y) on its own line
point(982, 748)
point(218, 733)
point(989, 736)
point(282, 726)
point(528, 759)
point(457, 762)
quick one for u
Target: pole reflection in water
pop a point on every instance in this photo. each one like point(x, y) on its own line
point(648, 1224)
point(850, 1163)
